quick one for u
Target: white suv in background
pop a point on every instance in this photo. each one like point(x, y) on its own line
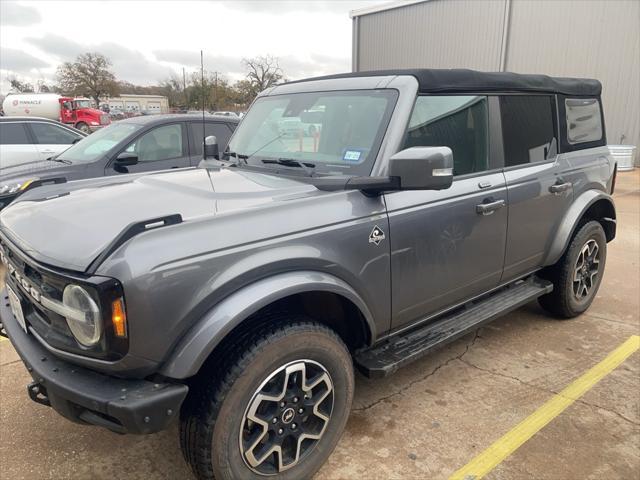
point(31, 139)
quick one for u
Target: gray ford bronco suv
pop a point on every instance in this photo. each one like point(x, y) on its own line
point(239, 296)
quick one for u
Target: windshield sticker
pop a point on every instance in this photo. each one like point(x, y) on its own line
point(352, 156)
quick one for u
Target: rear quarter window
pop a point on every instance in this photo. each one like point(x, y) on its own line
point(584, 120)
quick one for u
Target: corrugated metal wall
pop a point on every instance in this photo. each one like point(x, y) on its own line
point(585, 38)
point(581, 38)
point(436, 34)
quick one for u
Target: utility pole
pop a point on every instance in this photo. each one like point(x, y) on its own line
point(215, 90)
point(184, 87)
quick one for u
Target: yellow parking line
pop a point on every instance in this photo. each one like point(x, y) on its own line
point(510, 442)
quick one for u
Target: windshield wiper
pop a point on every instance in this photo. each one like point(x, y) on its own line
point(59, 160)
point(292, 162)
point(238, 156)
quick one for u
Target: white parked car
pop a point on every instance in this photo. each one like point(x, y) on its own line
point(26, 140)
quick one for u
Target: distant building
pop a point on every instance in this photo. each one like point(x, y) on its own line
point(567, 38)
point(133, 103)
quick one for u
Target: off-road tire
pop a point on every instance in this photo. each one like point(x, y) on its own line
point(214, 412)
point(562, 302)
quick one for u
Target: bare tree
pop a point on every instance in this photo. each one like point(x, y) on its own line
point(89, 75)
point(262, 72)
point(20, 86)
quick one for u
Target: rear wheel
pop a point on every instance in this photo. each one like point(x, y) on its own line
point(577, 275)
point(278, 408)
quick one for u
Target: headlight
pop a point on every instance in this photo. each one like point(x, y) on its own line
point(11, 188)
point(83, 318)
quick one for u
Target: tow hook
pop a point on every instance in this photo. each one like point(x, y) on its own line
point(38, 394)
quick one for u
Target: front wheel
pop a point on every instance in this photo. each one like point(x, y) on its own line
point(279, 408)
point(577, 275)
point(83, 127)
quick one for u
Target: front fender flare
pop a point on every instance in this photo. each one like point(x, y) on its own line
point(570, 221)
point(198, 343)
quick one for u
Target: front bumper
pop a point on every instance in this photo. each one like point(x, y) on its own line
point(85, 396)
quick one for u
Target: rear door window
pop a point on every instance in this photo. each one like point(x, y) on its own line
point(528, 128)
point(459, 122)
point(13, 134)
point(47, 134)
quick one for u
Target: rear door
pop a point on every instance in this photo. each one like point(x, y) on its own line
point(160, 148)
point(16, 145)
point(52, 139)
point(539, 191)
point(448, 246)
point(221, 130)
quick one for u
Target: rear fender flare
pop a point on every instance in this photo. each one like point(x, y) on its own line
point(570, 222)
point(198, 343)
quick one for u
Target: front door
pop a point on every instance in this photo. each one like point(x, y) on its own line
point(160, 148)
point(448, 246)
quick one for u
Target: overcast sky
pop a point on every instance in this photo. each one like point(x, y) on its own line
point(148, 41)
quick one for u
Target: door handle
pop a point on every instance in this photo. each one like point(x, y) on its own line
point(490, 207)
point(558, 188)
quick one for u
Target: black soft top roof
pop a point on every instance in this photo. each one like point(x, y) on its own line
point(463, 80)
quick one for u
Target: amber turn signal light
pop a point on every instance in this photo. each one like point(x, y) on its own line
point(119, 318)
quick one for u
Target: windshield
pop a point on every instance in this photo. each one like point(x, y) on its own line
point(95, 145)
point(83, 103)
point(336, 132)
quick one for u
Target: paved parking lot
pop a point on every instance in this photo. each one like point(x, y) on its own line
point(429, 419)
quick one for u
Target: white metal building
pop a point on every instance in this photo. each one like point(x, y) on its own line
point(132, 103)
point(571, 38)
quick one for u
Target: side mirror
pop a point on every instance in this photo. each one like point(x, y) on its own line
point(126, 159)
point(423, 168)
point(211, 149)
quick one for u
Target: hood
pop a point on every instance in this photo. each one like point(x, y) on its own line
point(34, 169)
point(94, 111)
point(69, 225)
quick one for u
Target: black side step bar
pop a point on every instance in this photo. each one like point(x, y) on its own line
point(389, 355)
point(128, 233)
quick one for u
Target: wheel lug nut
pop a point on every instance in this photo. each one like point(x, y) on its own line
point(294, 426)
point(275, 420)
point(301, 410)
point(280, 431)
point(282, 404)
point(295, 399)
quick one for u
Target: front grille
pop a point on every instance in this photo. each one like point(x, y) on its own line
point(32, 281)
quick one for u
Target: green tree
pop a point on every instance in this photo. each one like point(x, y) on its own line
point(89, 75)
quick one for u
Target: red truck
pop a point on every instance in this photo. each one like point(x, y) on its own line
point(76, 112)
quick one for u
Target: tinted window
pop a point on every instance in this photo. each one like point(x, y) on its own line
point(48, 134)
point(13, 134)
point(584, 122)
point(457, 122)
point(528, 129)
point(161, 143)
point(219, 130)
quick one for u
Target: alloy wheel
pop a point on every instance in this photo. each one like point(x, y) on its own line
point(586, 270)
point(286, 417)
